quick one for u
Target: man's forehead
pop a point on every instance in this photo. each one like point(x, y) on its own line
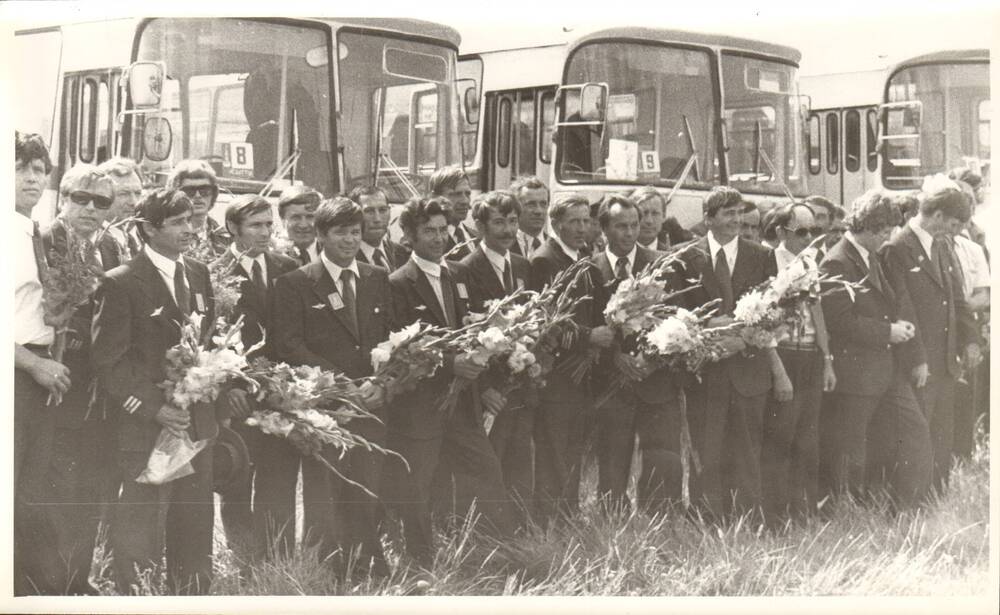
point(34, 162)
point(494, 214)
point(436, 220)
point(534, 194)
point(178, 217)
point(373, 200)
point(300, 209)
point(125, 181)
point(196, 181)
point(100, 185)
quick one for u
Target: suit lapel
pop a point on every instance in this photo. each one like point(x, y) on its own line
point(742, 269)
point(365, 297)
point(155, 288)
point(703, 267)
point(325, 289)
point(423, 289)
point(484, 269)
point(110, 252)
point(917, 252)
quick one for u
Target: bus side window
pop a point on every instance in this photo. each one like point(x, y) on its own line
point(871, 121)
point(852, 141)
point(88, 120)
point(548, 119)
point(815, 151)
point(503, 134)
point(832, 143)
point(526, 134)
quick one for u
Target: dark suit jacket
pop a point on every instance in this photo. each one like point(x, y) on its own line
point(135, 323)
point(396, 255)
point(254, 305)
point(483, 283)
point(934, 304)
point(659, 386)
point(864, 359)
point(749, 375)
point(547, 262)
point(417, 414)
point(469, 236)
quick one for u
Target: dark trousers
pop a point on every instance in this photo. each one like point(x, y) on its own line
point(174, 520)
point(619, 422)
point(276, 472)
point(790, 450)
point(512, 440)
point(937, 400)
point(877, 441)
point(461, 453)
point(969, 398)
point(562, 421)
point(235, 508)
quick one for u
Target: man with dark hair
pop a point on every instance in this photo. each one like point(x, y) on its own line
point(646, 408)
point(376, 247)
point(750, 222)
point(250, 220)
point(565, 411)
point(769, 229)
point(138, 307)
point(297, 210)
point(823, 211)
point(652, 206)
point(450, 447)
point(533, 195)
point(919, 260)
point(493, 272)
point(872, 431)
point(125, 175)
point(729, 401)
point(452, 185)
point(197, 180)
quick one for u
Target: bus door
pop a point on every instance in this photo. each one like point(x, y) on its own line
point(91, 101)
point(843, 156)
point(518, 134)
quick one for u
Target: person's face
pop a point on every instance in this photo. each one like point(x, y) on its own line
point(572, 228)
point(341, 243)
point(428, 239)
point(953, 226)
point(86, 206)
point(459, 196)
point(652, 220)
point(750, 225)
point(833, 235)
point(799, 232)
point(376, 211)
point(128, 192)
point(725, 224)
point(254, 233)
point(173, 237)
point(299, 223)
point(822, 216)
point(29, 183)
point(500, 231)
point(874, 240)
point(622, 229)
point(201, 192)
point(534, 209)
point(937, 223)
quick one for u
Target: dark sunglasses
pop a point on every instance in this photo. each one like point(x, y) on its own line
point(83, 199)
point(805, 231)
point(193, 191)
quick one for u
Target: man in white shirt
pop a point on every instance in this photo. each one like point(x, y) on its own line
point(533, 195)
point(653, 207)
point(297, 210)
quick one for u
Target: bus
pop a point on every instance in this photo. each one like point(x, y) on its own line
point(925, 115)
point(332, 103)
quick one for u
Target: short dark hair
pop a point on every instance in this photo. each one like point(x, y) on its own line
point(769, 225)
point(720, 197)
point(445, 178)
point(821, 201)
point(338, 211)
point(358, 192)
point(839, 213)
point(418, 211)
point(242, 207)
point(527, 182)
point(873, 212)
point(609, 201)
point(563, 201)
point(30, 146)
point(906, 202)
point(967, 175)
point(748, 206)
point(644, 193)
point(191, 169)
point(949, 200)
point(159, 205)
point(298, 194)
point(501, 201)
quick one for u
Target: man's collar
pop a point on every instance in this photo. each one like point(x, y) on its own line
point(27, 224)
point(650, 246)
point(574, 254)
point(613, 259)
point(428, 267)
point(857, 246)
point(925, 238)
point(160, 261)
point(244, 258)
point(714, 245)
point(498, 260)
point(335, 270)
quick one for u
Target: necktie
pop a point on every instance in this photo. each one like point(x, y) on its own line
point(508, 278)
point(257, 275)
point(347, 292)
point(40, 262)
point(725, 280)
point(875, 273)
point(535, 244)
point(621, 269)
point(181, 294)
point(378, 259)
point(448, 299)
point(942, 251)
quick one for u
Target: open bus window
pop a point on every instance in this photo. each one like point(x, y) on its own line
point(852, 141)
point(815, 151)
point(871, 122)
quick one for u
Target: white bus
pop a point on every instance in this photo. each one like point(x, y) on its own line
point(333, 103)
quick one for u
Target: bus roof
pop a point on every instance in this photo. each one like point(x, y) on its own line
point(950, 55)
point(689, 37)
point(412, 27)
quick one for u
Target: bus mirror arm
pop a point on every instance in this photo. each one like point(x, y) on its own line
point(756, 150)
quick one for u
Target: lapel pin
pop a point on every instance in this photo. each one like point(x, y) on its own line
point(376, 309)
point(463, 293)
point(335, 301)
point(199, 300)
point(319, 306)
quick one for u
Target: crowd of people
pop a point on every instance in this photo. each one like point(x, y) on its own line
point(876, 392)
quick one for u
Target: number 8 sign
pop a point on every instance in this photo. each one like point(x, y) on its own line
point(241, 156)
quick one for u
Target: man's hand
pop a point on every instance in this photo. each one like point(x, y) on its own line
point(630, 367)
point(493, 400)
point(174, 419)
point(973, 356)
point(372, 395)
point(901, 331)
point(782, 386)
point(919, 375)
point(240, 404)
point(829, 377)
point(466, 368)
point(602, 336)
point(52, 375)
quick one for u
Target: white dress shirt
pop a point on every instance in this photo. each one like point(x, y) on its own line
point(336, 270)
point(730, 250)
point(498, 261)
point(369, 251)
point(926, 239)
point(29, 314)
point(652, 246)
point(783, 256)
point(525, 240)
point(166, 268)
point(975, 267)
point(574, 254)
point(246, 262)
point(433, 272)
point(630, 257)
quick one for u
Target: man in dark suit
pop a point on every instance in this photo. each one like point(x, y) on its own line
point(250, 221)
point(331, 314)
point(452, 184)
point(872, 430)
point(297, 210)
point(453, 446)
point(376, 247)
point(493, 271)
point(139, 308)
point(565, 411)
point(652, 208)
point(533, 195)
point(647, 407)
point(125, 175)
point(918, 259)
point(728, 404)
point(197, 180)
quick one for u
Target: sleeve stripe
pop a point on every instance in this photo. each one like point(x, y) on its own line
point(131, 404)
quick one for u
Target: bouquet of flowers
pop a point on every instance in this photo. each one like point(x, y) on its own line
point(408, 356)
point(225, 283)
point(309, 407)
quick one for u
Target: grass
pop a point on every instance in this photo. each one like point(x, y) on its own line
point(851, 549)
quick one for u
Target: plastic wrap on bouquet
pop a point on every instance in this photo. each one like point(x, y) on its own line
point(171, 458)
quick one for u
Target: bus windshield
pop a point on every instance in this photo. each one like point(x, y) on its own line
point(399, 111)
point(660, 113)
point(953, 118)
point(244, 96)
point(761, 111)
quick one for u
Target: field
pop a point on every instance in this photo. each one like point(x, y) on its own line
point(847, 550)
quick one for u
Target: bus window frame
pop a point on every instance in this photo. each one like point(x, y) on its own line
point(979, 125)
point(871, 134)
point(503, 132)
point(832, 143)
point(545, 154)
point(850, 134)
point(819, 145)
point(88, 119)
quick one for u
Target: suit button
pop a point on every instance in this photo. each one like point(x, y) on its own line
point(357, 347)
point(944, 303)
point(946, 329)
point(888, 346)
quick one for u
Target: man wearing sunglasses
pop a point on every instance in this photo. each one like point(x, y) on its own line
point(197, 180)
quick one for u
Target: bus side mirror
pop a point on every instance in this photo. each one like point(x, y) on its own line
point(145, 84)
point(470, 100)
point(592, 102)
